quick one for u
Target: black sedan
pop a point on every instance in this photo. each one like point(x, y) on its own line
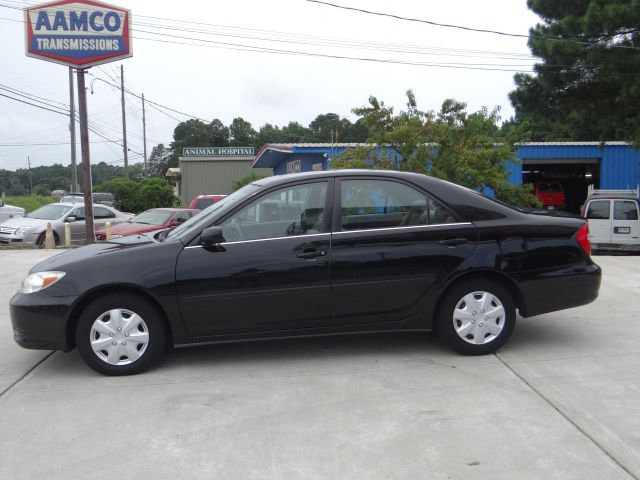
point(311, 254)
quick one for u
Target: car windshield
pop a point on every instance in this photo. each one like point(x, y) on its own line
point(52, 211)
point(152, 217)
point(549, 187)
point(203, 219)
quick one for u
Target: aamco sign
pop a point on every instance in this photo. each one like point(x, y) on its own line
point(78, 33)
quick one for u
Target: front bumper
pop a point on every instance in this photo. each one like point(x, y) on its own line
point(40, 321)
point(13, 239)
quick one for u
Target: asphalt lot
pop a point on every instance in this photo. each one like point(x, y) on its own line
point(561, 400)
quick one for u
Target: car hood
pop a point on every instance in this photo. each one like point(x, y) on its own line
point(128, 228)
point(76, 255)
point(26, 222)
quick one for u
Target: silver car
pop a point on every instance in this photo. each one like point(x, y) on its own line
point(9, 211)
point(31, 228)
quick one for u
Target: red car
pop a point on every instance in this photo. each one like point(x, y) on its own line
point(148, 221)
point(551, 194)
point(203, 201)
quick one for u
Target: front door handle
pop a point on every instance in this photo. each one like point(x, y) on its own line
point(452, 242)
point(311, 254)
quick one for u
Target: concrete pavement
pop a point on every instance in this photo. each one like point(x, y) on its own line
point(561, 400)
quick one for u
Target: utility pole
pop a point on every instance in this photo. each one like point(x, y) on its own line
point(124, 125)
point(72, 129)
point(144, 136)
point(86, 164)
point(30, 182)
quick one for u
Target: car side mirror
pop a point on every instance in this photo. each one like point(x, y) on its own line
point(174, 223)
point(211, 238)
point(70, 219)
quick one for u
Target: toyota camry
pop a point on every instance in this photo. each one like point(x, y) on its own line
point(316, 253)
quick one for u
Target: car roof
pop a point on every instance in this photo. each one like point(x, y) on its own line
point(70, 204)
point(172, 209)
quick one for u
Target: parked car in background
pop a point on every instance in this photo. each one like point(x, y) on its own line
point(149, 221)
point(31, 229)
point(9, 211)
point(317, 253)
point(72, 198)
point(551, 194)
point(614, 220)
point(203, 201)
point(57, 193)
point(98, 197)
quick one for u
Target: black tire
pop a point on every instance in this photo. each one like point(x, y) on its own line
point(494, 329)
point(120, 358)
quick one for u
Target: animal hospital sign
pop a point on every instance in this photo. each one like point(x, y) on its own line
point(78, 33)
point(218, 152)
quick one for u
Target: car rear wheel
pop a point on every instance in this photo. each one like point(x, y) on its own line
point(476, 317)
point(120, 334)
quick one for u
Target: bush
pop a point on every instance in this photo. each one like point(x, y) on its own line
point(139, 196)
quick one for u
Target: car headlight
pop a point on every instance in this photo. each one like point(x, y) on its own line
point(40, 280)
point(21, 230)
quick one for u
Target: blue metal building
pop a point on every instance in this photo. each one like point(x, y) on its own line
point(576, 165)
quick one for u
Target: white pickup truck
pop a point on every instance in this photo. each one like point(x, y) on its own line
point(614, 220)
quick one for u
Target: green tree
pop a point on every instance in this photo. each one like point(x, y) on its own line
point(465, 148)
point(219, 134)
point(586, 86)
point(158, 161)
point(196, 133)
point(242, 133)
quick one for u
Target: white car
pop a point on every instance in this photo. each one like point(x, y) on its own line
point(9, 211)
point(31, 229)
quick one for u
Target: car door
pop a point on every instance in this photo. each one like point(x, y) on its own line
point(598, 213)
point(391, 245)
point(272, 271)
point(101, 216)
point(625, 226)
point(77, 227)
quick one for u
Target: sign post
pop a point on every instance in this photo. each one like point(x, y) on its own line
point(79, 34)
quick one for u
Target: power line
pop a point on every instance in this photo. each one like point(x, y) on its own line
point(49, 144)
point(461, 27)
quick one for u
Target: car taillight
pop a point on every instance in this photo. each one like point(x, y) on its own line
point(583, 238)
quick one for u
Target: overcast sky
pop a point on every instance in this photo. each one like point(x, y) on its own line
point(219, 78)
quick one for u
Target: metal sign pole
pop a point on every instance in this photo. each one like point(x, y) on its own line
point(86, 164)
point(72, 129)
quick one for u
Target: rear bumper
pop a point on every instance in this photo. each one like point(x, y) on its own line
point(560, 289)
point(39, 321)
point(615, 247)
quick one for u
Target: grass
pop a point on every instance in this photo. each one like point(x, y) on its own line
point(30, 202)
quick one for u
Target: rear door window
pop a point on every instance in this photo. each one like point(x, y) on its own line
point(625, 210)
point(368, 204)
point(598, 210)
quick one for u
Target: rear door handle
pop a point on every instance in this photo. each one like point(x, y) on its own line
point(311, 254)
point(452, 242)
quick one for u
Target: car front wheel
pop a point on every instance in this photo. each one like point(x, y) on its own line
point(120, 334)
point(476, 317)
